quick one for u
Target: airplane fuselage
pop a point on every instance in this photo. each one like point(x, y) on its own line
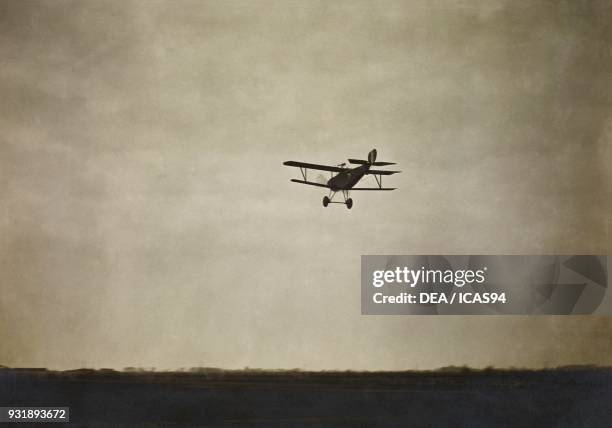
point(345, 180)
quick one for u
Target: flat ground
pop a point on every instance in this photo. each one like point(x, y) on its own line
point(556, 398)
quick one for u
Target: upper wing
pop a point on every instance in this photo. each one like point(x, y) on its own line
point(310, 183)
point(373, 188)
point(380, 172)
point(313, 166)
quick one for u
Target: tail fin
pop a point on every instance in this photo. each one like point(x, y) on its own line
point(372, 157)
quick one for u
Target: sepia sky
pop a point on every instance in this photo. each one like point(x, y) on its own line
point(146, 218)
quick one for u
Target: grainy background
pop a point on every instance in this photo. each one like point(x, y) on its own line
point(146, 219)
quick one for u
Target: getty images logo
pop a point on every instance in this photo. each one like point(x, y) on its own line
point(414, 277)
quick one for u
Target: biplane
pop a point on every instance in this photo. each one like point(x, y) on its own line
point(343, 179)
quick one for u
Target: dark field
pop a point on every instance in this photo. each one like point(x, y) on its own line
point(553, 398)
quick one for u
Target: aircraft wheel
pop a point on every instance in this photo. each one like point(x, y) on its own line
point(325, 201)
point(349, 203)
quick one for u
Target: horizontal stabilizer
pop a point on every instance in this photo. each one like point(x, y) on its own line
point(381, 172)
point(364, 162)
point(373, 188)
point(309, 183)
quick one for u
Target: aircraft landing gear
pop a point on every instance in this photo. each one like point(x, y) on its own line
point(329, 199)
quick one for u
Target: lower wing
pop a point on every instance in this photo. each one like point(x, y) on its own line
point(309, 183)
point(373, 188)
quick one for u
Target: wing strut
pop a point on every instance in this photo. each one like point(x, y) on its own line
point(378, 179)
